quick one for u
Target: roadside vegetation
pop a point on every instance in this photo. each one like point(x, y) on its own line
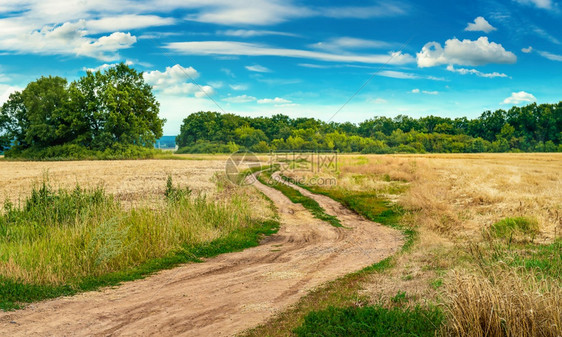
point(59, 242)
point(296, 197)
point(486, 259)
point(533, 128)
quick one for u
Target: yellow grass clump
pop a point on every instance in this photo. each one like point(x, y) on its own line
point(503, 303)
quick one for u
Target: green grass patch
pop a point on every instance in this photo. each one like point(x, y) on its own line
point(297, 198)
point(371, 321)
point(58, 243)
point(518, 228)
point(343, 294)
point(370, 205)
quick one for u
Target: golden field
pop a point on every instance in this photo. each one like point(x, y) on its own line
point(126, 179)
point(452, 200)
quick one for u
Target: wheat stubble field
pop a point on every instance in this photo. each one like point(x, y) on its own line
point(461, 260)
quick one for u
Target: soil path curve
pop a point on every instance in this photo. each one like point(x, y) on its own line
point(224, 295)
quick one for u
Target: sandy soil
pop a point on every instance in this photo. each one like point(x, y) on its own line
point(224, 295)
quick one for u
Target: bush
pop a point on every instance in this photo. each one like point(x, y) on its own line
point(77, 152)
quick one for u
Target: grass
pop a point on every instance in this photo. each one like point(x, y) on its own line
point(297, 198)
point(517, 228)
point(371, 321)
point(332, 302)
point(508, 206)
point(62, 242)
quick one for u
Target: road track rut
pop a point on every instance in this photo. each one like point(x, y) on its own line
point(224, 295)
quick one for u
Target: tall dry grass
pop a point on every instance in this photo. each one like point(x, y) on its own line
point(503, 302)
point(61, 236)
point(452, 200)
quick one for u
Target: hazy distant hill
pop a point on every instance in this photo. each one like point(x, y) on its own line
point(166, 142)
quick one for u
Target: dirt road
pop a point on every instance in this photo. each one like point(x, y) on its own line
point(224, 295)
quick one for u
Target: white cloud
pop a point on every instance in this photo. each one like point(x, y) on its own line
point(252, 33)
point(126, 22)
point(377, 100)
point(6, 91)
point(464, 71)
point(480, 25)
point(398, 74)
point(344, 43)
point(465, 52)
point(174, 81)
point(106, 66)
point(275, 100)
point(383, 9)
point(252, 49)
point(519, 97)
point(257, 68)
point(240, 99)
point(418, 91)
point(204, 91)
point(238, 87)
point(69, 38)
point(546, 35)
point(527, 50)
point(550, 56)
point(544, 4)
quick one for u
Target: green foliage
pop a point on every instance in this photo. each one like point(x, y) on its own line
point(534, 128)
point(518, 228)
point(371, 321)
point(100, 114)
point(63, 242)
point(174, 193)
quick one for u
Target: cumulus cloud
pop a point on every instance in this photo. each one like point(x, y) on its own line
point(257, 68)
point(174, 81)
point(275, 100)
point(465, 52)
point(550, 56)
point(480, 25)
point(240, 99)
point(253, 49)
point(527, 50)
point(519, 97)
point(6, 91)
point(69, 38)
point(464, 71)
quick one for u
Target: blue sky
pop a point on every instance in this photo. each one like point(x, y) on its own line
point(300, 58)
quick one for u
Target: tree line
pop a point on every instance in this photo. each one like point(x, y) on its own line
point(532, 128)
point(102, 114)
